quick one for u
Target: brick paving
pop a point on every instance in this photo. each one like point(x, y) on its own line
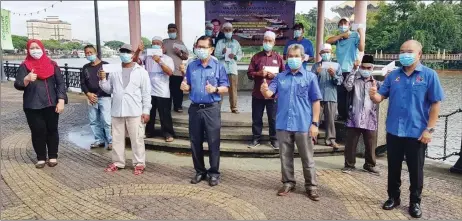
point(79, 189)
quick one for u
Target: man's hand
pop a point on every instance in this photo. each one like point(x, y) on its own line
point(426, 137)
point(270, 75)
point(319, 69)
point(184, 85)
point(331, 71)
point(345, 34)
point(356, 64)
point(156, 58)
point(182, 69)
point(31, 76)
point(373, 89)
point(177, 51)
point(264, 87)
point(102, 75)
point(314, 131)
point(60, 106)
point(231, 56)
point(144, 118)
point(209, 88)
point(92, 98)
point(224, 51)
point(264, 73)
point(141, 46)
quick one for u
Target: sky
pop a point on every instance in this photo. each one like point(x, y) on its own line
point(113, 16)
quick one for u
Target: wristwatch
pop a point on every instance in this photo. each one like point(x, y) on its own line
point(315, 124)
point(430, 129)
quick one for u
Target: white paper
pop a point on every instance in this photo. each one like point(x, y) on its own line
point(179, 47)
point(327, 65)
point(152, 52)
point(390, 67)
point(271, 69)
point(306, 58)
point(228, 52)
point(112, 68)
point(356, 26)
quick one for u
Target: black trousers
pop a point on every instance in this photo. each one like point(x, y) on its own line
point(414, 150)
point(208, 120)
point(165, 115)
point(43, 124)
point(342, 99)
point(176, 92)
point(258, 107)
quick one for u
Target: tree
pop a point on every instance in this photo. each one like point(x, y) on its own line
point(146, 42)
point(52, 44)
point(114, 44)
point(19, 42)
point(72, 46)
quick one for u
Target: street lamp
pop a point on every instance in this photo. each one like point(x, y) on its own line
point(98, 45)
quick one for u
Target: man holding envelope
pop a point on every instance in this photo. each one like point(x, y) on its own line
point(264, 65)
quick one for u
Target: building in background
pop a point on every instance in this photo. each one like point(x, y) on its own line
point(49, 29)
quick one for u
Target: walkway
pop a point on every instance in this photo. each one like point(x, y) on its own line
point(79, 189)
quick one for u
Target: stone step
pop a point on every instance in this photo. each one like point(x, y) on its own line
point(231, 148)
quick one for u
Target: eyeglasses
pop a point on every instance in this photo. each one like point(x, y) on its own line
point(202, 47)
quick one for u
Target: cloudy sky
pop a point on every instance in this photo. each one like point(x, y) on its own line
point(155, 16)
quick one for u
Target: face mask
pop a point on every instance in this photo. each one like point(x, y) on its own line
point(294, 63)
point(155, 47)
point(125, 57)
point(297, 33)
point(228, 35)
point(91, 58)
point(36, 53)
point(364, 73)
point(343, 28)
point(407, 59)
point(326, 56)
point(172, 35)
point(202, 53)
point(267, 46)
point(208, 32)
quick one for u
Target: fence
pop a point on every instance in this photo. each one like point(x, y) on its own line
point(451, 57)
point(445, 154)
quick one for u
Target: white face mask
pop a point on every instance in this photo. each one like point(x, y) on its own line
point(36, 53)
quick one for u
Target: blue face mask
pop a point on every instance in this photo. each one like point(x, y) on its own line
point(343, 28)
point(208, 32)
point(364, 73)
point(91, 58)
point(155, 47)
point(407, 59)
point(202, 53)
point(267, 46)
point(294, 63)
point(297, 33)
point(172, 35)
point(228, 35)
point(125, 57)
point(326, 56)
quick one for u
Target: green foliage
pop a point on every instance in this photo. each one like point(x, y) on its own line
point(146, 42)
point(72, 46)
point(19, 42)
point(52, 44)
point(114, 44)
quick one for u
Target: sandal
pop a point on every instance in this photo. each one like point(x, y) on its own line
point(112, 168)
point(40, 164)
point(169, 139)
point(139, 169)
point(52, 162)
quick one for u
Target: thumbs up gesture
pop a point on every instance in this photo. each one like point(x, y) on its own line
point(31, 76)
point(102, 75)
point(184, 85)
point(209, 88)
point(264, 86)
point(373, 89)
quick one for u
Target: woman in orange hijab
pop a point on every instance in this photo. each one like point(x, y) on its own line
point(44, 96)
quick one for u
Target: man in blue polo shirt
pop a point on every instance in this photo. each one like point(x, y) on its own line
point(299, 31)
point(414, 93)
point(205, 80)
point(297, 119)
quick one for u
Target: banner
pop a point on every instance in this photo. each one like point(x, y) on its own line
point(7, 44)
point(251, 19)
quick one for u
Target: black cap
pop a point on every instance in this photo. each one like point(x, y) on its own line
point(171, 26)
point(298, 26)
point(368, 59)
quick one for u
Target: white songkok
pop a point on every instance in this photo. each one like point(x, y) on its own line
point(326, 47)
point(270, 34)
point(227, 25)
point(157, 38)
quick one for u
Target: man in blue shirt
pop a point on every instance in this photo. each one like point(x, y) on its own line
point(414, 93)
point(297, 119)
point(299, 31)
point(205, 80)
point(349, 45)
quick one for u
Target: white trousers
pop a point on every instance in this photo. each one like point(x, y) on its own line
point(135, 129)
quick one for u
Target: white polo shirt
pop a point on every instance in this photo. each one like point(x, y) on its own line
point(160, 81)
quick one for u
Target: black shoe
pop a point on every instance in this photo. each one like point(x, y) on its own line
point(391, 203)
point(198, 178)
point(371, 169)
point(97, 144)
point(253, 144)
point(414, 210)
point(213, 181)
point(274, 144)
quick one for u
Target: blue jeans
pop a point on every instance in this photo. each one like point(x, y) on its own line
point(100, 119)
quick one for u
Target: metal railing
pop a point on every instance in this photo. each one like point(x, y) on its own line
point(452, 57)
point(445, 154)
point(71, 74)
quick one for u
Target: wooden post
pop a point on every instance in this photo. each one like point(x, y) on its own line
point(134, 19)
point(319, 30)
point(178, 19)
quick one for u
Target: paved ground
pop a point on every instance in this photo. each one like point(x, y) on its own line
point(79, 189)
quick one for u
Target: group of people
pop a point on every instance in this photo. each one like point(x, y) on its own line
point(296, 99)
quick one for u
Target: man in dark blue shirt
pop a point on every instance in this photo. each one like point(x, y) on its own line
point(299, 31)
point(205, 81)
point(415, 93)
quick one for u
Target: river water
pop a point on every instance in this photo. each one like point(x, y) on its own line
point(450, 80)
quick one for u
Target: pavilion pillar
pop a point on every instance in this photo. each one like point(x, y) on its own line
point(319, 29)
point(178, 19)
point(134, 19)
point(360, 16)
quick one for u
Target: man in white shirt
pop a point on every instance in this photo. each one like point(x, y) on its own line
point(160, 67)
point(131, 103)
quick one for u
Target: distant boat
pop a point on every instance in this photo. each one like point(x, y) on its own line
point(80, 54)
